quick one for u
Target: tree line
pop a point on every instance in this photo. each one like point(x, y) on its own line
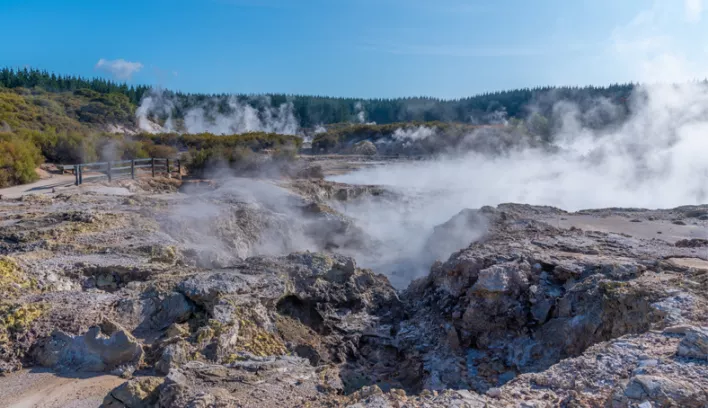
point(31, 78)
point(313, 110)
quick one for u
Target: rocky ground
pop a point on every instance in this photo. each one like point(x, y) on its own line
point(158, 293)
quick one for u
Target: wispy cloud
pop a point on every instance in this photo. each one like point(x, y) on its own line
point(694, 10)
point(120, 68)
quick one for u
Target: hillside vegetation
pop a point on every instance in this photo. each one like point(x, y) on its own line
point(68, 119)
point(311, 111)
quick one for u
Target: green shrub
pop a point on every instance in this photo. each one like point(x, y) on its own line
point(135, 150)
point(205, 160)
point(18, 160)
point(161, 151)
point(72, 148)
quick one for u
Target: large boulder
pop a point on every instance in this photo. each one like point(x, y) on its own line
point(101, 348)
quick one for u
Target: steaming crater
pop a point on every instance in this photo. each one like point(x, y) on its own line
point(402, 224)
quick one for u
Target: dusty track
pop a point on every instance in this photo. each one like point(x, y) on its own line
point(45, 389)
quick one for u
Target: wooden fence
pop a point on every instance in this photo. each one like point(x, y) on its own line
point(122, 169)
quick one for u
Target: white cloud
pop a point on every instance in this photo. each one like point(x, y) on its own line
point(693, 9)
point(120, 68)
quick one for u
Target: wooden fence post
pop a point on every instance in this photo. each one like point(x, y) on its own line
point(76, 174)
point(167, 164)
point(179, 169)
point(153, 166)
point(132, 169)
point(81, 175)
point(109, 172)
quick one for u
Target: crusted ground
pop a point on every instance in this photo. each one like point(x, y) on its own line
point(233, 294)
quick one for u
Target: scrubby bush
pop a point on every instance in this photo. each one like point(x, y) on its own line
point(73, 148)
point(135, 150)
point(255, 141)
point(240, 160)
point(215, 158)
point(161, 151)
point(325, 143)
point(18, 160)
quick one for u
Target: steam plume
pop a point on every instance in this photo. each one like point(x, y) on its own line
point(236, 117)
point(654, 157)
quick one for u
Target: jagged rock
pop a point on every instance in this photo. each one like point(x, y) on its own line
point(528, 295)
point(500, 279)
point(136, 393)
point(154, 311)
point(662, 392)
point(173, 355)
point(532, 313)
point(692, 243)
point(202, 385)
point(92, 351)
point(694, 344)
point(177, 330)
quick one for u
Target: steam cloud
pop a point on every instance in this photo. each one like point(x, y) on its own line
point(361, 114)
point(419, 133)
point(654, 158)
point(657, 158)
point(240, 117)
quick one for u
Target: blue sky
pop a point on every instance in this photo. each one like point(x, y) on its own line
point(358, 48)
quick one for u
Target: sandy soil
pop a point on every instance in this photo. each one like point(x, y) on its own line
point(43, 388)
point(659, 229)
point(695, 263)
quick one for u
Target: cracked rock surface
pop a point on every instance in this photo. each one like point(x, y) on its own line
point(238, 295)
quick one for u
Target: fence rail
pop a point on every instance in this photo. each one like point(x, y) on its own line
point(121, 169)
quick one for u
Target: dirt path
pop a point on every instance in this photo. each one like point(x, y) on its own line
point(42, 186)
point(56, 182)
point(45, 389)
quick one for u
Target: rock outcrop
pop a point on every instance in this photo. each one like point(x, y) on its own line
point(240, 296)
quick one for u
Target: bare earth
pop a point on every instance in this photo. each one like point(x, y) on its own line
point(42, 388)
point(58, 182)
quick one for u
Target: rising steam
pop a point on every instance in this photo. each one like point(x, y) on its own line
point(654, 158)
point(212, 117)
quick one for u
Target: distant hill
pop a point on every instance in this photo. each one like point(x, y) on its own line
point(66, 102)
point(68, 119)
